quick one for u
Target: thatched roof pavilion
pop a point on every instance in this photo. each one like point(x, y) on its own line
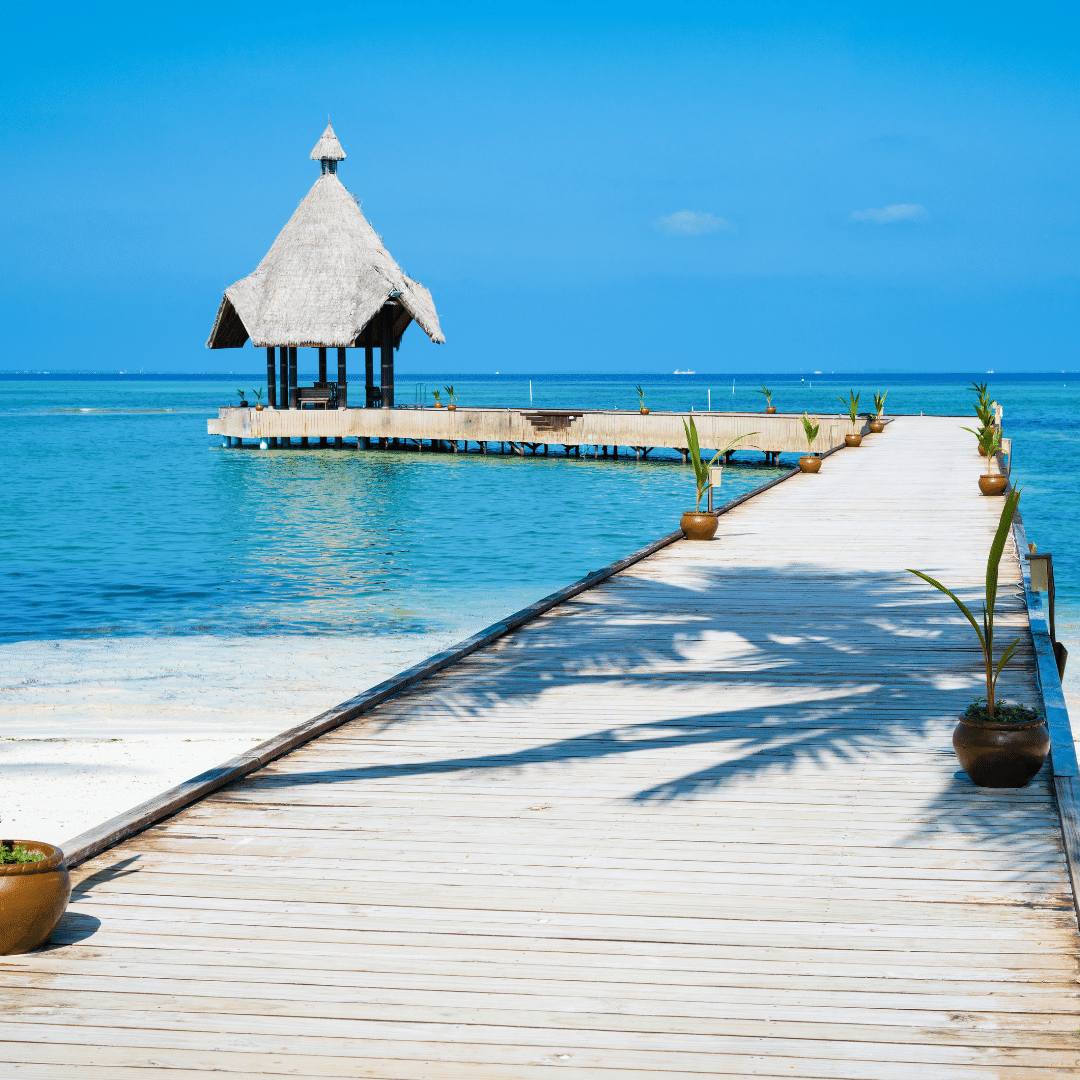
point(327, 282)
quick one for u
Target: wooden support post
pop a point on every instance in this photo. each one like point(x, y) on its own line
point(342, 381)
point(271, 379)
point(293, 402)
point(322, 364)
point(369, 368)
point(577, 450)
point(386, 358)
point(303, 440)
point(283, 376)
point(324, 441)
point(339, 441)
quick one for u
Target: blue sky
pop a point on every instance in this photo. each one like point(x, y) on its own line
point(728, 187)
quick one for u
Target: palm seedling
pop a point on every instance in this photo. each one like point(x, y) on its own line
point(766, 393)
point(811, 430)
point(641, 395)
point(986, 631)
point(701, 470)
point(989, 442)
point(852, 404)
point(450, 393)
point(879, 402)
point(241, 395)
point(258, 395)
point(435, 395)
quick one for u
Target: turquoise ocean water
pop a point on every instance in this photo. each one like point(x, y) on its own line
point(119, 515)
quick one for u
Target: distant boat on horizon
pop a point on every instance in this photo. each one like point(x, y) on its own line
point(678, 372)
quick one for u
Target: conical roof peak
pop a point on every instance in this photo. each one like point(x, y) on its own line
point(328, 148)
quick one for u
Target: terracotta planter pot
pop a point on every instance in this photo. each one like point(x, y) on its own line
point(993, 485)
point(877, 426)
point(810, 463)
point(258, 408)
point(982, 452)
point(451, 408)
point(643, 410)
point(771, 409)
point(699, 524)
point(1001, 755)
point(33, 898)
point(853, 440)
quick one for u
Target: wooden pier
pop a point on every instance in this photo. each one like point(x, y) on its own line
point(514, 430)
point(701, 819)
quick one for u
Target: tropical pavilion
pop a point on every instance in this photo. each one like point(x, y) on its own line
point(328, 282)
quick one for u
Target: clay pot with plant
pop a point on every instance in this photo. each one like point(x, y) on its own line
point(989, 445)
point(852, 403)
point(644, 410)
point(437, 404)
point(810, 462)
point(452, 403)
point(877, 424)
point(701, 524)
point(998, 745)
point(258, 400)
point(243, 399)
point(769, 406)
point(34, 893)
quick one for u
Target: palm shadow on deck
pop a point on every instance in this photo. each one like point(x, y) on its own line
point(853, 688)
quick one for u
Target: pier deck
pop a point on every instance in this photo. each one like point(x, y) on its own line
point(700, 820)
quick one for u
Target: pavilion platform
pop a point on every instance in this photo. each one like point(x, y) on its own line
point(699, 817)
point(518, 429)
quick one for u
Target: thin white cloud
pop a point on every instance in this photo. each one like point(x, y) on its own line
point(692, 223)
point(890, 215)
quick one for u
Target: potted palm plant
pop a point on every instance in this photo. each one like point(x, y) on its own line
point(877, 425)
point(641, 397)
point(34, 893)
point(243, 401)
point(999, 745)
point(767, 393)
point(258, 399)
point(452, 403)
point(852, 403)
point(989, 444)
point(701, 524)
point(984, 409)
point(810, 462)
point(438, 402)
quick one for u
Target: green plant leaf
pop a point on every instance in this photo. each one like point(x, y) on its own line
point(957, 601)
point(996, 549)
point(1006, 656)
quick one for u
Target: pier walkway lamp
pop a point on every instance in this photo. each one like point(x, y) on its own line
point(716, 473)
point(1042, 584)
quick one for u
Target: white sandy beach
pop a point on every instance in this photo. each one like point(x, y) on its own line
point(93, 727)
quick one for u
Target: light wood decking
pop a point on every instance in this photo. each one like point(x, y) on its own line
point(701, 820)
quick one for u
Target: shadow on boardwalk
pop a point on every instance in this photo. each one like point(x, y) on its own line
point(851, 690)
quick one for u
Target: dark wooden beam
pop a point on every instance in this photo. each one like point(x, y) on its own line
point(271, 379)
point(293, 403)
point(322, 364)
point(283, 376)
point(369, 366)
point(342, 380)
point(386, 357)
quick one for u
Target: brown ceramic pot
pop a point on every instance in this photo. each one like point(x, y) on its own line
point(699, 524)
point(643, 410)
point(258, 408)
point(1001, 755)
point(771, 409)
point(33, 898)
point(993, 485)
point(877, 426)
point(452, 407)
point(853, 440)
point(810, 463)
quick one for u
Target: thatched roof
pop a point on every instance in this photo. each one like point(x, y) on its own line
point(326, 277)
point(328, 147)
